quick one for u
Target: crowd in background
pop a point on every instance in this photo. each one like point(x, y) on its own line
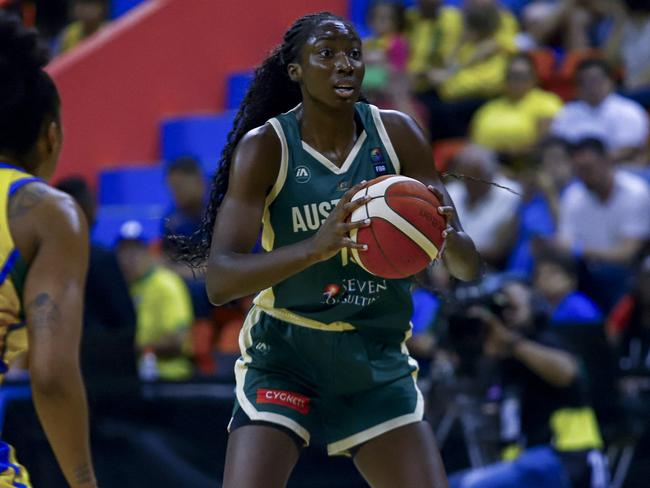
point(538, 116)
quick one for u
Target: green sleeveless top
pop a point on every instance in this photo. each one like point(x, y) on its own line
point(336, 294)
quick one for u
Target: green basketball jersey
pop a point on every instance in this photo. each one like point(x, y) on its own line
point(336, 294)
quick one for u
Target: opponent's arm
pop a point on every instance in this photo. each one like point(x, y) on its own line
point(53, 297)
point(233, 271)
point(415, 155)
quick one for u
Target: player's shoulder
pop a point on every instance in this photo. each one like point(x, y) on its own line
point(38, 201)
point(259, 147)
point(398, 123)
point(634, 187)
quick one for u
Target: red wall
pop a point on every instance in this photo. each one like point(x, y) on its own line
point(167, 57)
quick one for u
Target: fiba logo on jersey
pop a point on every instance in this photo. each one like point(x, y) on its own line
point(379, 164)
point(303, 175)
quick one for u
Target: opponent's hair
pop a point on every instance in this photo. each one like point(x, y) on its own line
point(28, 96)
point(271, 93)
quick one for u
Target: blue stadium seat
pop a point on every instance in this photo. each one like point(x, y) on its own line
point(200, 136)
point(120, 7)
point(134, 186)
point(109, 219)
point(237, 85)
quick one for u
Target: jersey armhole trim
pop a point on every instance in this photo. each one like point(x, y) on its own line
point(376, 116)
point(18, 184)
point(284, 162)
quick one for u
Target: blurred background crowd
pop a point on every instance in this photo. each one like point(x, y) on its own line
point(538, 113)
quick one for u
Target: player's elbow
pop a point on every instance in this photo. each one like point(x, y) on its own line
point(52, 380)
point(217, 289)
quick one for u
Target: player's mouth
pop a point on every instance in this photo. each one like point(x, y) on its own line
point(344, 90)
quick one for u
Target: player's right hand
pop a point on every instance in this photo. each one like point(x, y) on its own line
point(334, 233)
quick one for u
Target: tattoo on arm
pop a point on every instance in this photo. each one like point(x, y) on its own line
point(43, 313)
point(83, 474)
point(26, 199)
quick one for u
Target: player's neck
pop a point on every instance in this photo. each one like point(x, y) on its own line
point(326, 129)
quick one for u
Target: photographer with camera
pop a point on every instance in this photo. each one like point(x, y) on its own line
point(548, 429)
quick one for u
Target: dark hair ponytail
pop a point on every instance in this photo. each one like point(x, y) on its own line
point(271, 93)
point(27, 93)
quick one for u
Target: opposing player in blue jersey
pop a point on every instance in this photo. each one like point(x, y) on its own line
point(323, 346)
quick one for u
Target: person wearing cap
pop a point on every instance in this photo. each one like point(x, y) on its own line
point(162, 303)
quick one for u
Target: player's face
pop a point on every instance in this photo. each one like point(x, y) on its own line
point(331, 68)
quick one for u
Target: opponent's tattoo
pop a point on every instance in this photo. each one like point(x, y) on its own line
point(43, 313)
point(26, 199)
point(83, 474)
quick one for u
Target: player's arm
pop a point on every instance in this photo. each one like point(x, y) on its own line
point(53, 298)
point(415, 155)
point(233, 271)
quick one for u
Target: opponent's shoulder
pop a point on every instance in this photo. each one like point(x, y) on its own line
point(54, 211)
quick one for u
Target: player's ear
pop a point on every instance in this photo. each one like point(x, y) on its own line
point(295, 72)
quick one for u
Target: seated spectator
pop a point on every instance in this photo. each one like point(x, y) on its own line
point(620, 123)
point(543, 182)
point(486, 211)
point(107, 353)
point(627, 46)
point(90, 17)
point(433, 31)
point(474, 70)
point(604, 220)
point(162, 304)
point(556, 281)
point(385, 54)
point(513, 123)
point(548, 429)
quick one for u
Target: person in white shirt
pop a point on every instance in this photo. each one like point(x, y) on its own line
point(488, 212)
point(619, 122)
point(604, 219)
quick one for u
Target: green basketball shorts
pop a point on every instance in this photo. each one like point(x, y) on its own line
point(343, 384)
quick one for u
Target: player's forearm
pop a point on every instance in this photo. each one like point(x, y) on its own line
point(60, 402)
point(233, 275)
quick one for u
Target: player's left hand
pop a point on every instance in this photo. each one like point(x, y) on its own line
point(447, 211)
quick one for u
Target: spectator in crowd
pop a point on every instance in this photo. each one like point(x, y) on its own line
point(627, 46)
point(109, 316)
point(186, 182)
point(487, 211)
point(89, 18)
point(546, 178)
point(474, 70)
point(572, 25)
point(604, 219)
point(514, 123)
point(433, 31)
point(556, 281)
point(162, 304)
point(620, 123)
point(628, 325)
point(548, 428)
point(385, 54)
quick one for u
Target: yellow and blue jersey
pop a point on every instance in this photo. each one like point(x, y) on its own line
point(13, 334)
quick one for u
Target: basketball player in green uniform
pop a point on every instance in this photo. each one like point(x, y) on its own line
point(323, 346)
point(43, 259)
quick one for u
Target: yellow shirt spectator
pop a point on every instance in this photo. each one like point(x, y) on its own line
point(163, 307)
point(509, 124)
point(432, 39)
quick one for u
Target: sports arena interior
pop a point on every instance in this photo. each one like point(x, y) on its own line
point(538, 114)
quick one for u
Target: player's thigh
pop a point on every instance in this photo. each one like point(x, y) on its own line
point(259, 455)
point(406, 456)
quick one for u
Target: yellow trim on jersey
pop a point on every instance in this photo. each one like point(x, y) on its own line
point(13, 471)
point(268, 235)
point(265, 300)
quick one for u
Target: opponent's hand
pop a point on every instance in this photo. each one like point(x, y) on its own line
point(334, 234)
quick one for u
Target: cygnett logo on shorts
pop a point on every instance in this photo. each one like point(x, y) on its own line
point(289, 399)
point(303, 175)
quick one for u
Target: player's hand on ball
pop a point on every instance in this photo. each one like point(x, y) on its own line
point(447, 211)
point(334, 234)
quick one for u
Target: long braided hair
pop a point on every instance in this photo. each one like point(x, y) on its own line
point(271, 93)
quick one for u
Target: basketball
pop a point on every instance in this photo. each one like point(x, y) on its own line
point(405, 233)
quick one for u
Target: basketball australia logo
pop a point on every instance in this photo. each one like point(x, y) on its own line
point(303, 175)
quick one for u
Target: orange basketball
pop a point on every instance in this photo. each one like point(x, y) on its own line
point(405, 233)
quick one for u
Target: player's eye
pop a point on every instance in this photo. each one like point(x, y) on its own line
point(326, 52)
point(355, 53)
